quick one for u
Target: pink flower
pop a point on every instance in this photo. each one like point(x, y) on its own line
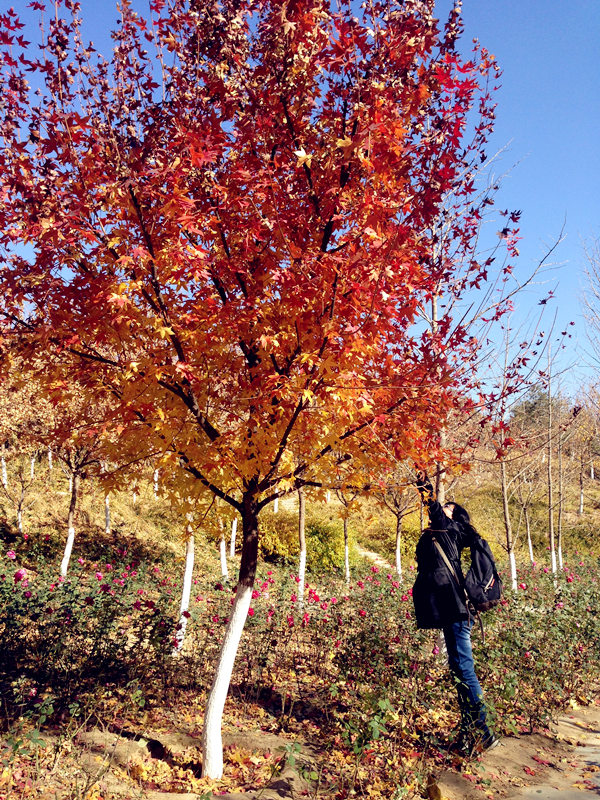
point(99, 576)
point(293, 598)
point(28, 595)
point(333, 600)
point(404, 597)
point(11, 554)
point(522, 586)
point(26, 536)
point(560, 605)
point(546, 569)
point(80, 560)
point(255, 594)
point(362, 613)
point(374, 568)
point(251, 612)
point(435, 650)
point(20, 574)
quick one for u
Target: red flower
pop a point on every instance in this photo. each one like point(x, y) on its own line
point(20, 574)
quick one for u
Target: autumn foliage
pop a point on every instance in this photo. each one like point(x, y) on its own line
point(228, 226)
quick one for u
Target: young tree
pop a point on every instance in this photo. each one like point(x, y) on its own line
point(230, 237)
point(398, 496)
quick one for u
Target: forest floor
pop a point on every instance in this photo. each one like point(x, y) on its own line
point(99, 764)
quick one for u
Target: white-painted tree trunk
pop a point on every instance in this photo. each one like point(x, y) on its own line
point(276, 505)
point(107, 515)
point(592, 475)
point(513, 570)
point(155, 483)
point(529, 542)
point(346, 552)
point(398, 547)
point(212, 742)
point(560, 556)
point(223, 551)
point(302, 545)
point(185, 592)
point(233, 535)
point(328, 496)
point(19, 520)
point(134, 494)
point(32, 469)
point(64, 566)
point(4, 472)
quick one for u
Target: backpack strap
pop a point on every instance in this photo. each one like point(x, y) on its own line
point(452, 571)
point(446, 560)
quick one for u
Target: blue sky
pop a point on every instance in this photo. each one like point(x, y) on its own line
point(548, 118)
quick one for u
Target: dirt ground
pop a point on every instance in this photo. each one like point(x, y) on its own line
point(561, 764)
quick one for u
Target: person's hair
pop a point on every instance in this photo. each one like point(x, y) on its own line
point(461, 516)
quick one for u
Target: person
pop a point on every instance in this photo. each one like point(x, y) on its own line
point(441, 602)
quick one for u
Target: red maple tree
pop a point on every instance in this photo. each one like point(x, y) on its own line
point(228, 228)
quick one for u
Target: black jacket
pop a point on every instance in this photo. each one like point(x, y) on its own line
point(438, 599)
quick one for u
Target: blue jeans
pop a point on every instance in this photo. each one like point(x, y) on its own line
point(470, 697)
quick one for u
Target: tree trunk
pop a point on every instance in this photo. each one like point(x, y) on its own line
point(276, 505)
point(346, 552)
point(223, 550)
point(155, 483)
point(185, 591)
point(328, 496)
point(398, 545)
point(550, 488)
point(212, 744)
point(302, 544)
point(510, 545)
point(592, 475)
point(528, 529)
point(32, 472)
point(560, 498)
point(233, 535)
point(4, 472)
point(70, 525)
point(20, 510)
point(581, 478)
point(107, 515)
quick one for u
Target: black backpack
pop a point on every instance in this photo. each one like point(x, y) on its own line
point(482, 582)
point(482, 586)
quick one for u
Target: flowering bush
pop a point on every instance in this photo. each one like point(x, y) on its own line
point(349, 659)
point(103, 622)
